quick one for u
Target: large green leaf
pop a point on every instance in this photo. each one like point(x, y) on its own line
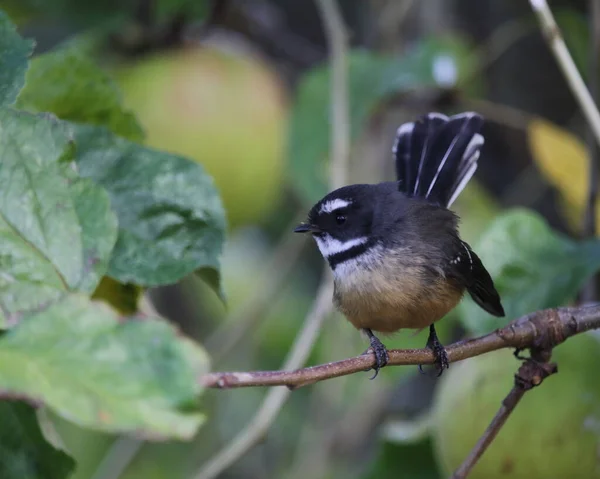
point(105, 372)
point(56, 230)
point(532, 267)
point(70, 85)
point(24, 453)
point(171, 220)
point(435, 63)
point(14, 54)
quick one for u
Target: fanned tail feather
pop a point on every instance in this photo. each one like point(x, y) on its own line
point(436, 156)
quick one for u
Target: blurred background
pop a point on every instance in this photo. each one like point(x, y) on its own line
point(242, 88)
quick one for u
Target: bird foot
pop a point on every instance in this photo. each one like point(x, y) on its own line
point(439, 352)
point(379, 350)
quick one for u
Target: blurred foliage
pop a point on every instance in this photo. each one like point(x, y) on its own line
point(533, 268)
point(563, 159)
point(434, 63)
point(574, 27)
point(23, 452)
point(412, 461)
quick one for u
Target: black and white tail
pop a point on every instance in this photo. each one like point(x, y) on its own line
point(436, 156)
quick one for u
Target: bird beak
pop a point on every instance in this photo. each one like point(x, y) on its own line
point(306, 228)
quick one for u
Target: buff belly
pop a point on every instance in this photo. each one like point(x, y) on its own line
point(401, 299)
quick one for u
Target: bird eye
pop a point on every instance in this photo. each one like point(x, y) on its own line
point(340, 219)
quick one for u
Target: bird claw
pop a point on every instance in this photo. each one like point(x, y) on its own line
point(441, 359)
point(439, 352)
point(380, 351)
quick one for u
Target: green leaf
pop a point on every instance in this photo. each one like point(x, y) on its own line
point(438, 63)
point(14, 54)
point(69, 84)
point(104, 372)
point(532, 267)
point(171, 220)
point(24, 453)
point(57, 231)
point(98, 230)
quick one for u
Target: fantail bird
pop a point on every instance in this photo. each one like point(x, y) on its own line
point(397, 258)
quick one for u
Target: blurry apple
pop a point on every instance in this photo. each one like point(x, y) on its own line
point(225, 110)
point(554, 432)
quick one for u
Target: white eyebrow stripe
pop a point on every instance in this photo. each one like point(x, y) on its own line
point(329, 246)
point(332, 205)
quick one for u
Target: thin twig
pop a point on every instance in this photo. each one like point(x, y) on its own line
point(531, 374)
point(340, 149)
point(249, 314)
point(589, 222)
point(547, 326)
point(556, 43)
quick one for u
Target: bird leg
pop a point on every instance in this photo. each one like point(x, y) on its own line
point(441, 356)
point(379, 350)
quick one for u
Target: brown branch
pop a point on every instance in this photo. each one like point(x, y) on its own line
point(540, 330)
point(531, 374)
